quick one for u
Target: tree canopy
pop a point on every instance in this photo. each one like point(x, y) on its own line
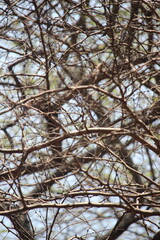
point(79, 119)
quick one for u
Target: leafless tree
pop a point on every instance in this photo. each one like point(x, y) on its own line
point(79, 119)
